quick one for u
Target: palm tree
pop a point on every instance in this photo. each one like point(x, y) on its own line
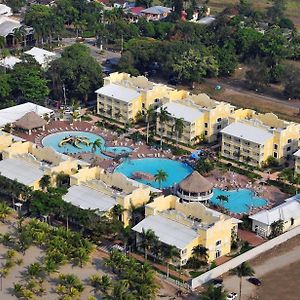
point(96, 144)
point(35, 270)
point(160, 177)
point(168, 253)
point(150, 112)
point(148, 240)
point(102, 284)
point(81, 256)
point(179, 126)
point(163, 117)
point(241, 271)
point(120, 290)
point(201, 253)
point(223, 199)
point(214, 293)
point(19, 35)
point(5, 211)
point(117, 211)
point(44, 182)
point(277, 228)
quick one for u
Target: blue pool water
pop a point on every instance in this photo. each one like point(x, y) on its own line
point(176, 170)
point(239, 201)
point(53, 140)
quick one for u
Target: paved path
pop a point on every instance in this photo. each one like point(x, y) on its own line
point(231, 282)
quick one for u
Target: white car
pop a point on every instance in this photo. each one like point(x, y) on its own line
point(231, 296)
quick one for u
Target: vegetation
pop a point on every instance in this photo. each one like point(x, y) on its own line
point(214, 293)
point(160, 177)
point(277, 228)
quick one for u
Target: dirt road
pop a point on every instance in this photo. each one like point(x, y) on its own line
point(270, 263)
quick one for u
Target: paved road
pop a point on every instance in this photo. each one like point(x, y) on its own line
point(231, 283)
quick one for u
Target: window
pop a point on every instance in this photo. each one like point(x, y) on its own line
point(219, 119)
point(275, 146)
point(205, 132)
point(218, 243)
point(183, 262)
point(143, 105)
point(183, 252)
point(205, 125)
point(219, 126)
point(218, 253)
point(289, 140)
point(156, 100)
point(288, 149)
point(275, 154)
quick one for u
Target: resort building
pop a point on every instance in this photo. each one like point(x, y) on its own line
point(26, 156)
point(29, 122)
point(123, 96)
point(95, 188)
point(155, 13)
point(252, 137)
point(195, 188)
point(288, 212)
point(186, 225)
point(42, 56)
point(203, 118)
point(297, 162)
point(12, 114)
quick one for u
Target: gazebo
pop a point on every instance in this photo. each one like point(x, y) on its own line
point(30, 121)
point(195, 188)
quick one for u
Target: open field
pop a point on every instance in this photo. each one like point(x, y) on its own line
point(293, 7)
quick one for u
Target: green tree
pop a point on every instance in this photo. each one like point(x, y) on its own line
point(291, 79)
point(164, 116)
point(78, 72)
point(15, 5)
point(201, 253)
point(204, 165)
point(5, 211)
point(214, 293)
point(179, 126)
point(257, 77)
point(96, 144)
point(241, 271)
point(45, 182)
point(192, 66)
point(277, 228)
point(223, 199)
point(168, 254)
point(28, 84)
point(150, 113)
point(148, 239)
point(161, 176)
point(277, 10)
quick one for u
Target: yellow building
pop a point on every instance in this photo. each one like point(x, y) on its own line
point(27, 163)
point(203, 118)
point(252, 137)
point(123, 96)
point(297, 162)
point(94, 188)
point(186, 225)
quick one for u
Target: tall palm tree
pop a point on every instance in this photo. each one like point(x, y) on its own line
point(5, 211)
point(223, 199)
point(120, 290)
point(148, 240)
point(150, 112)
point(179, 126)
point(201, 253)
point(168, 253)
point(160, 177)
point(19, 35)
point(241, 271)
point(213, 293)
point(163, 117)
point(44, 182)
point(101, 283)
point(96, 144)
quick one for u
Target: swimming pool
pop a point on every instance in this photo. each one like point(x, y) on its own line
point(53, 140)
point(239, 201)
point(176, 170)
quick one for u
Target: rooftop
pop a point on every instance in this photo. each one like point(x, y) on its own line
point(177, 110)
point(248, 132)
point(20, 170)
point(14, 113)
point(118, 92)
point(285, 211)
point(89, 198)
point(40, 55)
point(195, 183)
point(156, 10)
point(9, 62)
point(168, 231)
point(30, 121)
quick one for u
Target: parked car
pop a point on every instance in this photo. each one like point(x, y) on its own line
point(254, 281)
point(217, 282)
point(231, 296)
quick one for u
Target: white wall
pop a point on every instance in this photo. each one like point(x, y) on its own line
point(233, 263)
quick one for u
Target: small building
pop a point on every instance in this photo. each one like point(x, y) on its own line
point(9, 62)
point(5, 10)
point(12, 114)
point(297, 162)
point(30, 121)
point(156, 13)
point(195, 188)
point(42, 56)
point(187, 225)
point(288, 212)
